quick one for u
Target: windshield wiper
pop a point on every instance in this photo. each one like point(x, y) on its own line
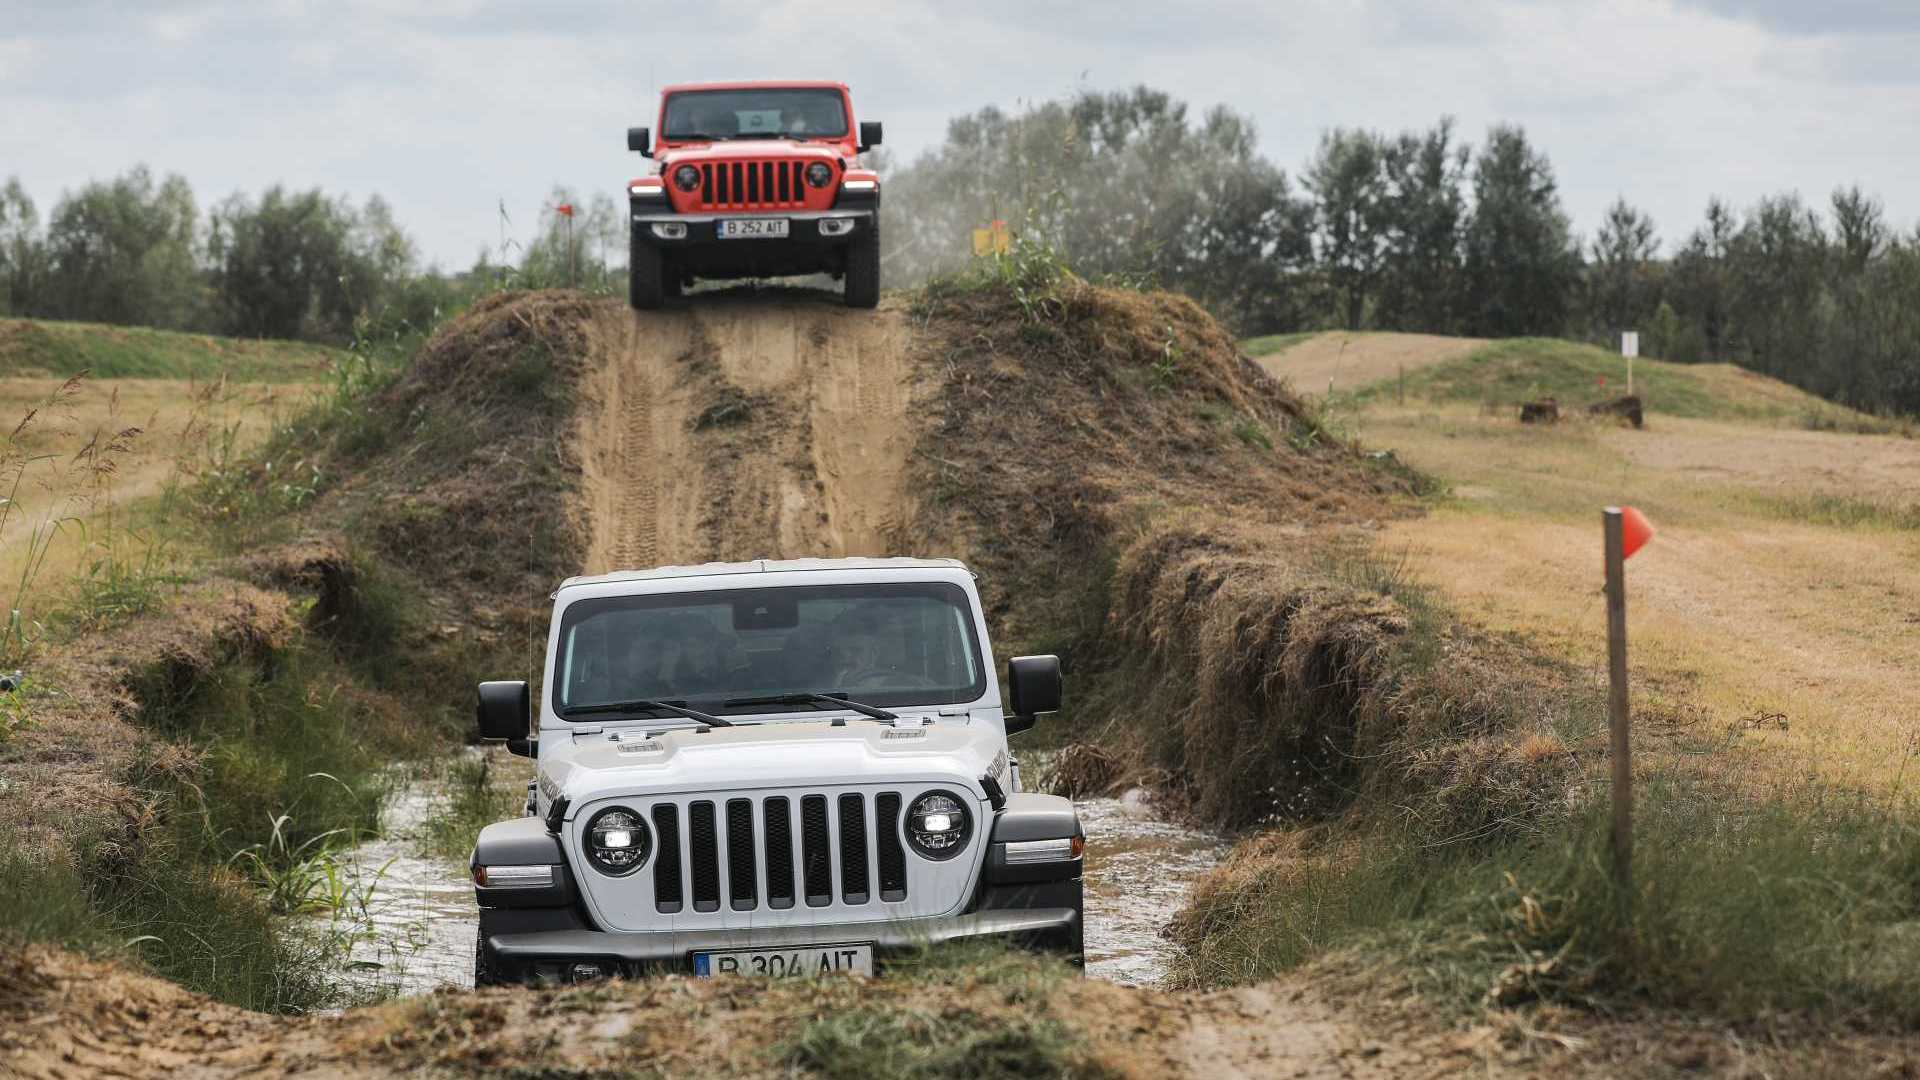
point(832, 701)
point(647, 705)
point(706, 135)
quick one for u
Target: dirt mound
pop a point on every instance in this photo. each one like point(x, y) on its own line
point(745, 427)
point(73, 1017)
point(70, 775)
point(1340, 360)
point(1058, 437)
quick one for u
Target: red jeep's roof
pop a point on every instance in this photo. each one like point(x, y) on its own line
point(757, 84)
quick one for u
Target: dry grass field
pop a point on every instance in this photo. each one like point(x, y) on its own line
point(86, 460)
point(1778, 607)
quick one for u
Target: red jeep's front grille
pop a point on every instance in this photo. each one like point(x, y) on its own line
point(752, 185)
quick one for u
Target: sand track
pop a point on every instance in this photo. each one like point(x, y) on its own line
point(745, 427)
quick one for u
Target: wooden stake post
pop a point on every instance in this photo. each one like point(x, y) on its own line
point(1617, 715)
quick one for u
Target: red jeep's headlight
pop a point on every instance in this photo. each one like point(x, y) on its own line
point(819, 174)
point(686, 178)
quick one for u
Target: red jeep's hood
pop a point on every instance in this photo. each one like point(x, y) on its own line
point(736, 149)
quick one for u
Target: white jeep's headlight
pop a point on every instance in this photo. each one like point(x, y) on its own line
point(938, 825)
point(617, 841)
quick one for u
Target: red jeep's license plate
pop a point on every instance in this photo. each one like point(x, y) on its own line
point(753, 228)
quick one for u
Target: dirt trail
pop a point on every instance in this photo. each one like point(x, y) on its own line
point(745, 428)
point(1347, 361)
point(75, 1018)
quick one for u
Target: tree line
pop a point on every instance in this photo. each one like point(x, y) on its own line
point(134, 250)
point(1418, 231)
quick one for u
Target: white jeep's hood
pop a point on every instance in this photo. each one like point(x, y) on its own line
point(587, 766)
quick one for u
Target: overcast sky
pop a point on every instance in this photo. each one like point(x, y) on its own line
point(445, 107)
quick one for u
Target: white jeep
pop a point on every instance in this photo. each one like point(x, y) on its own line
point(770, 768)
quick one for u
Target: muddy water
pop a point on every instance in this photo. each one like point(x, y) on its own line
point(418, 920)
point(414, 916)
point(1139, 867)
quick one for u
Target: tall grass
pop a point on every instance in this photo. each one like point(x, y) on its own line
point(1806, 902)
point(476, 797)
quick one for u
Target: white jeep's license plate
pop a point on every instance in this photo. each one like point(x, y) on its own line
point(753, 228)
point(811, 960)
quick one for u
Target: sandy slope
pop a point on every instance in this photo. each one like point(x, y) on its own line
point(1345, 361)
point(746, 428)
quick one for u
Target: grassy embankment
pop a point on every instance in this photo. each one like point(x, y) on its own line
point(1778, 871)
point(233, 708)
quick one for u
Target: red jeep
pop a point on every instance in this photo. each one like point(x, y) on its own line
point(757, 179)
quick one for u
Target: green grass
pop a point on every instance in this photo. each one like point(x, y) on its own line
point(475, 799)
point(189, 920)
point(292, 769)
point(41, 347)
point(1272, 344)
point(1842, 511)
point(1805, 903)
point(286, 737)
point(1506, 373)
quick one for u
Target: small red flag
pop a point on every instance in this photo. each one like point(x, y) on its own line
point(1635, 531)
point(564, 208)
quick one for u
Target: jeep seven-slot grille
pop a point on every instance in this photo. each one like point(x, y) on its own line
point(752, 185)
point(756, 840)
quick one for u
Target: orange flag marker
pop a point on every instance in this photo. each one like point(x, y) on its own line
point(1635, 531)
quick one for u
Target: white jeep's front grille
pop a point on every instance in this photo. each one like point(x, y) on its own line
point(773, 858)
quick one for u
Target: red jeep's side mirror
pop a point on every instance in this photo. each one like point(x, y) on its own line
point(637, 142)
point(869, 135)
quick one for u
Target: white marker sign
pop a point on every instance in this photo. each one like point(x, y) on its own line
point(1630, 343)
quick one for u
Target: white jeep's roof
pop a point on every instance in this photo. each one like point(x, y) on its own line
point(764, 566)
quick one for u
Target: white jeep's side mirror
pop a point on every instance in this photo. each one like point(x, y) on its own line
point(1033, 687)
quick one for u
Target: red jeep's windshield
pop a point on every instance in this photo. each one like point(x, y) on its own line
point(756, 114)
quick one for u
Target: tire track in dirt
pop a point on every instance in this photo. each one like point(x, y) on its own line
point(745, 427)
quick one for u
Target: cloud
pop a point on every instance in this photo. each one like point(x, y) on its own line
point(1819, 17)
point(446, 107)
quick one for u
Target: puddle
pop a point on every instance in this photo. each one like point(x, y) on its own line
point(418, 921)
point(1139, 867)
point(416, 925)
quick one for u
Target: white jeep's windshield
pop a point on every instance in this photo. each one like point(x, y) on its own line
point(882, 644)
point(756, 114)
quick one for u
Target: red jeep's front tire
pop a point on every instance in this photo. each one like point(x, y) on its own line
point(863, 267)
point(646, 276)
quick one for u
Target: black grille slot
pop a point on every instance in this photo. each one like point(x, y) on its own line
point(779, 815)
point(742, 884)
point(893, 857)
point(753, 182)
point(666, 864)
point(813, 849)
point(853, 849)
point(703, 851)
point(706, 184)
point(785, 183)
